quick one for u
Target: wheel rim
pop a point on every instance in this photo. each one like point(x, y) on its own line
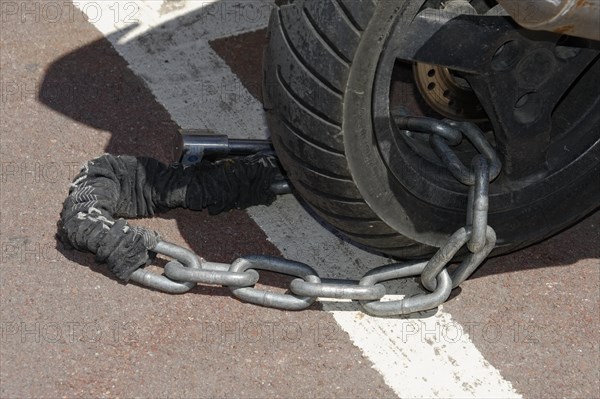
point(412, 169)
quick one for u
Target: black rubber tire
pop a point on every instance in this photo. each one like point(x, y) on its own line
point(317, 101)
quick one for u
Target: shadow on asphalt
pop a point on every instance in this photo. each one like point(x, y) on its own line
point(94, 86)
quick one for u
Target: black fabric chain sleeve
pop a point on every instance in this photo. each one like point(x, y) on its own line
point(131, 187)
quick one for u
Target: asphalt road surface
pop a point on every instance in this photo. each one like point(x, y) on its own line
point(79, 80)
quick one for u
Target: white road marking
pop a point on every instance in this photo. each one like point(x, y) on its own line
point(170, 52)
point(168, 47)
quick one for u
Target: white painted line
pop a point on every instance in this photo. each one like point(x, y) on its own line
point(422, 357)
point(175, 60)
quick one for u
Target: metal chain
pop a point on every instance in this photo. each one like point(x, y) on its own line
point(187, 269)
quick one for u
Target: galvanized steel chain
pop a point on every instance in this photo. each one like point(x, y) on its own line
point(187, 269)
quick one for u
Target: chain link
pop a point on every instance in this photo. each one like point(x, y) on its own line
point(187, 269)
point(211, 274)
point(454, 164)
point(338, 289)
point(278, 265)
point(410, 305)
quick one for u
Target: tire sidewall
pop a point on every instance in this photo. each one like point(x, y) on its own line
point(362, 152)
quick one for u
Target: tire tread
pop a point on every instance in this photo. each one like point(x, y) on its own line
point(314, 42)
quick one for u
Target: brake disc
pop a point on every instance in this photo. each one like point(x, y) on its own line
point(447, 94)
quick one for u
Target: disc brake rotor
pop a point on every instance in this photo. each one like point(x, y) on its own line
point(447, 94)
